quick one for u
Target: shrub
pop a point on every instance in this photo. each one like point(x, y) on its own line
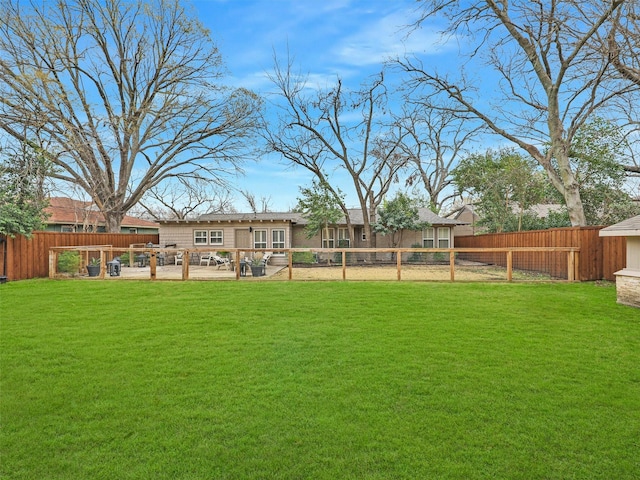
point(69, 262)
point(124, 258)
point(438, 257)
point(303, 257)
point(416, 256)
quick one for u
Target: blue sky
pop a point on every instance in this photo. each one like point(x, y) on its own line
point(349, 39)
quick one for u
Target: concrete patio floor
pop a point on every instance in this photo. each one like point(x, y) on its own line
point(196, 272)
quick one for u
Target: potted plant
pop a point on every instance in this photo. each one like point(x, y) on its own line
point(257, 267)
point(93, 268)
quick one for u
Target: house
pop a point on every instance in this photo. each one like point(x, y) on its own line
point(628, 279)
point(70, 215)
point(468, 214)
point(287, 230)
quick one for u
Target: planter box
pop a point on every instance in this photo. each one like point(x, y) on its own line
point(257, 271)
point(93, 270)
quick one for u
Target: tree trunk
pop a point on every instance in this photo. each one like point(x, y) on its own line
point(112, 221)
point(370, 218)
point(574, 205)
point(570, 189)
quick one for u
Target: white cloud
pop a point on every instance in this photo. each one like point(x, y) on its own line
point(386, 38)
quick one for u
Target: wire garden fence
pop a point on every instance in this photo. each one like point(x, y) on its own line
point(153, 262)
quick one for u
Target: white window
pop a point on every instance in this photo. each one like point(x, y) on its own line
point(216, 237)
point(443, 237)
point(133, 230)
point(343, 238)
point(328, 238)
point(277, 239)
point(67, 229)
point(428, 239)
point(200, 237)
point(259, 239)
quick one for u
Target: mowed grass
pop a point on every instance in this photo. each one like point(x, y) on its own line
point(344, 380)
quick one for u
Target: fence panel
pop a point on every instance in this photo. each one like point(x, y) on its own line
point(29, 257)
point(599, 256)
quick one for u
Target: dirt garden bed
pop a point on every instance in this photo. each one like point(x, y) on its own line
point(463, 273)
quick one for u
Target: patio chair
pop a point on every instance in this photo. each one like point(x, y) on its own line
point(178, 258)
point(207, 257)
point(220, 261)
point(266, 257)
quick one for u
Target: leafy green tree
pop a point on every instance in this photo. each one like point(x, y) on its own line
point(531, 221)
point(505, 183)
point(320, 206)
point(22, 194)
point(596, 157)
point(397, 215)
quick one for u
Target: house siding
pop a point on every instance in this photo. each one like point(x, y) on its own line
point(633, 253)
point(182, 234)
point(409, 238)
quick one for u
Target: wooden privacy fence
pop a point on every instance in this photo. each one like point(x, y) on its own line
point(29, 257)
point(600, 257)
point(344, 257)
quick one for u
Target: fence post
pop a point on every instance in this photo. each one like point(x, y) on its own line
point(185, 264)
point(510, 265)
point(399, 264)
point(571, 265)
point(52, 263)
point(344, 264)
point(152, 264)
point(237, 264)
point(103, 263)
point(290, 264)
point(452, 263)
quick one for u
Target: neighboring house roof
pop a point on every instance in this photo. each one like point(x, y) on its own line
point(424, 215)
point(542, 210)
point(241, 217)
point(626, 228)
point(355, 214)
point(68, 211)
point(461, 210)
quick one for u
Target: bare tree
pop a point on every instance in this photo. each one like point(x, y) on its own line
point(120, 93)
point(257, 205)
point(547, 80)
point(621, 45)
point(336, 131)
point(435, 141)
point(186, 198)
point(623, 39)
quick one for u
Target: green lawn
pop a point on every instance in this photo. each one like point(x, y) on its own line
point(344, 380)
